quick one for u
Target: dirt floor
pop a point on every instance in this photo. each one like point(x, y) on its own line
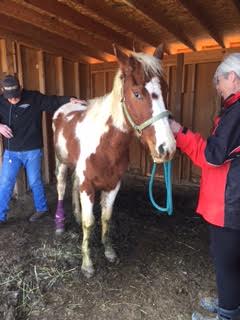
point(164, 265)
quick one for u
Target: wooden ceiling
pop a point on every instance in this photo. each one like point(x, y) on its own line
point(84, 30)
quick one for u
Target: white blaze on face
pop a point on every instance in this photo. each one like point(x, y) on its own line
point(163, 132)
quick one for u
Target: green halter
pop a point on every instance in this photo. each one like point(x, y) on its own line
point(139, 128)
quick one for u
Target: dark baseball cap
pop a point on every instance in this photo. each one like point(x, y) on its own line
point(11, 87)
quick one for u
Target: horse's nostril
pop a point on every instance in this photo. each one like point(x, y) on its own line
point(161, 148)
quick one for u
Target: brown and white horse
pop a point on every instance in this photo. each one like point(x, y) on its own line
point(94, 140)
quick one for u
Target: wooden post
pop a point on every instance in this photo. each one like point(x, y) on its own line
point(42, 88)
point(10, 63)
point(21, 184)
point(191, 111)
point(85, 81)
point(76, 80)
point(59, 76)
point(178, 101)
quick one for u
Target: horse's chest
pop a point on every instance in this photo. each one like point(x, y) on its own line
point(105, 167)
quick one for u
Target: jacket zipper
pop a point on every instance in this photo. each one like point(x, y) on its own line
point(9, 124)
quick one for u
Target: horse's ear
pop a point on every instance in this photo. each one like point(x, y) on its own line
point(158, 53)
point(122, 58)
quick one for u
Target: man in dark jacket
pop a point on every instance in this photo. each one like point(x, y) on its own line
point(21, 128)
point(219, 198)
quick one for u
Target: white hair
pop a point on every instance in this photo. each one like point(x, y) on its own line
point(230, 63)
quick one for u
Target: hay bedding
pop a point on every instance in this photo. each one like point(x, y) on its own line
point(163, 266)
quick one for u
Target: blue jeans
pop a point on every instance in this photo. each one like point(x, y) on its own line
point(12, 161)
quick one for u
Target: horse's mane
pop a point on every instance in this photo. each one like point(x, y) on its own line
point(151, 65)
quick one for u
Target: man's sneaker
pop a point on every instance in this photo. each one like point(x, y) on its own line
point(198, 316)
point(3, 223)
point(210, 304)
point(37, 216)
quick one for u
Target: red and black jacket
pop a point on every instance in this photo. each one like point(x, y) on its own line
point(219, 160)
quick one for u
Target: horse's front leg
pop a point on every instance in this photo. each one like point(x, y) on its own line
point(87, 226)
point(107, 201)
point(61, 175)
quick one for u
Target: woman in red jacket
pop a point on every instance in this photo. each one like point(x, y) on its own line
point(219, 197)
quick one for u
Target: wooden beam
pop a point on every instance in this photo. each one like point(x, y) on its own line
point(76, 80)
point(107, 15)
point(85, 81)
point(53, 25)
point(178, 102)
point(25, 32)
point(63, 11)
point(59, 76)
point(41, 73)
point(179, 86)
point(8, 56)
point(160, 18)
point(201, 15)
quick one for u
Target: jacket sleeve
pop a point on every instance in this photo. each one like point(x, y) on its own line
point(51, 103)
point(193, 145)
point(224, 144)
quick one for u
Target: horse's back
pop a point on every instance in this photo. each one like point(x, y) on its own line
point(68, 108)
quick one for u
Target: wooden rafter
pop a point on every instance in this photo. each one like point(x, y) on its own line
point(197, 12)
point(112, 18)
point(161, 19)
point(30, 34)
point(65, 12)
point(49, 24)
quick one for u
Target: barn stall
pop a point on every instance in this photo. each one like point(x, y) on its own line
point(65, 47)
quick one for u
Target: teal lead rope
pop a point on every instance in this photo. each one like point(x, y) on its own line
point(168, 183)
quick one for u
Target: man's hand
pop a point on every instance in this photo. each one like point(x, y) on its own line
point(74, 100)
point(175, 126)
point(6, 131)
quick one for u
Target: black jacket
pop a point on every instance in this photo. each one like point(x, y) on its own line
point(25, 119)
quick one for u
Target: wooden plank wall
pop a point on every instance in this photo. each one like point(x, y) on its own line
point(192, 99)
point(50, 74)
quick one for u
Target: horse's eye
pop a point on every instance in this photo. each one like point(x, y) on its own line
point(137, 95)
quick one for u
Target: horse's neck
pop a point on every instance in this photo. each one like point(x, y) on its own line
point(107, 108)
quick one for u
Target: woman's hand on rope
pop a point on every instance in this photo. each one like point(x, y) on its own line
point(175, 126)
point(6, 131)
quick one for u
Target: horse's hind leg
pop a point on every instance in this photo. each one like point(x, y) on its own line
point(107, 201)
point(87, 226)
point(76, 199)
point(61, 174)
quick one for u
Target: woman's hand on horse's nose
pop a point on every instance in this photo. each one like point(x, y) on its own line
point(175, 126)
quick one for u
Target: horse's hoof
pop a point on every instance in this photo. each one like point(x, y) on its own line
point(88, 272)
point(111, 256)
point(59, 231)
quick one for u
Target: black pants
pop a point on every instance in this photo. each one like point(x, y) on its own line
point(225, 249)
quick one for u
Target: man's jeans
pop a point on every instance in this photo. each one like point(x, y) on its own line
point(12, 161)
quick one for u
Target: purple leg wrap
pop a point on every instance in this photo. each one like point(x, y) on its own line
point(60, 216)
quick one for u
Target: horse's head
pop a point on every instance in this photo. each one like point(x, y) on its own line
point(143, 102)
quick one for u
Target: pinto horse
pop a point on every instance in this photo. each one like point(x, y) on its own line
point(95, 140)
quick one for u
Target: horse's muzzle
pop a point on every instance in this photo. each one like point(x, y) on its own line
point(164, 154)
